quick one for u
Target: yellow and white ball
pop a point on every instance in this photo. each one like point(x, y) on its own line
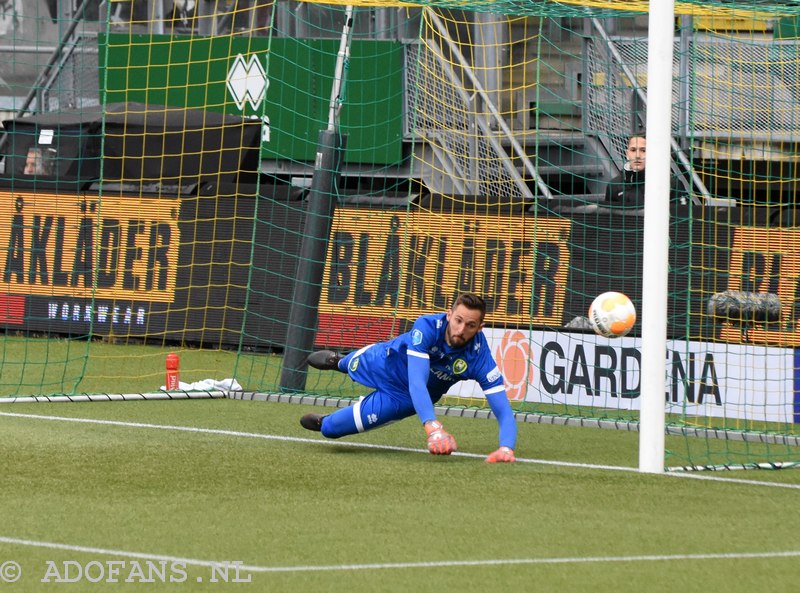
point(612, 315)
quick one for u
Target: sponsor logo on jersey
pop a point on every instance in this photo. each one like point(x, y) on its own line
point(416, 337)
point(493, 375)
point(459, 366)
point(443, 376)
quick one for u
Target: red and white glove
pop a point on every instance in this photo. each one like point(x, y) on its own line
point(502, 455)
point(440, 442)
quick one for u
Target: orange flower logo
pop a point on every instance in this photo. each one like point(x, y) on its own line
point(516, 363)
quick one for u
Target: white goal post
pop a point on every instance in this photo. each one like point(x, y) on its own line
point(656, 235)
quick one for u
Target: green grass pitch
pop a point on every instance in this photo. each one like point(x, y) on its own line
point(185, 484)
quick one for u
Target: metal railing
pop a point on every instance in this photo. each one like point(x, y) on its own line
point(622, 71)
point(463, 121)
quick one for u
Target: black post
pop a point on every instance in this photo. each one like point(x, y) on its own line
point(304, 313)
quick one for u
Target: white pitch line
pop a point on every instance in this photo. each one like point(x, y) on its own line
point(695, 476)
point(271, 437)
point(110, 552)
point(403, 565)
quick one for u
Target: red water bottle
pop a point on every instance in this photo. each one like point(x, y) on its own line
point(173, 364)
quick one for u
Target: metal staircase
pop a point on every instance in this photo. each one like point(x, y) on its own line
point(543, 149)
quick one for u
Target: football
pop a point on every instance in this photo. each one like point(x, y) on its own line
point(612, 315)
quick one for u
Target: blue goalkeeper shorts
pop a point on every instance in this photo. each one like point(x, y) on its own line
point(371, 411)
point(386, 404)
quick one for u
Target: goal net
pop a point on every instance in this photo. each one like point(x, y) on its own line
point(328, 172)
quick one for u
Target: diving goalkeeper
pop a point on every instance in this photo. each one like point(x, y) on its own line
point(413, 371)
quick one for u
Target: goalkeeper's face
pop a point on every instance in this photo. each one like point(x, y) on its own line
point(462, 325)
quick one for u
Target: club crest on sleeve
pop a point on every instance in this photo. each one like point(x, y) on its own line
point(416, 337)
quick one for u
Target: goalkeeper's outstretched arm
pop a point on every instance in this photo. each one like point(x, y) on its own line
point(498, 402)
point(440, 442)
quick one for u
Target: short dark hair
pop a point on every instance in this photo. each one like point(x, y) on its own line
point(471, 301)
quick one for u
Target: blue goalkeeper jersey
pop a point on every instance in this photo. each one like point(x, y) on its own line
point(418, 367)
point(388, 364)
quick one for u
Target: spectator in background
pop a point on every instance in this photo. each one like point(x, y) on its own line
point(37, 162)
point(626, 190)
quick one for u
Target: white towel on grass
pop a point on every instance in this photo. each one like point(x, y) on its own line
point(208, 385)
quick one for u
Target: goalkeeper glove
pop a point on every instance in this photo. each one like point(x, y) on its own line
point(440, 442)
point(502, 455)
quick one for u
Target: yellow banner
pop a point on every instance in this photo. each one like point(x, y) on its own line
point(385, 264)
point(83, 247)
point(764, 260)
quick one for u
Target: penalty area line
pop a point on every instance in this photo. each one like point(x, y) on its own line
point(399, 565)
